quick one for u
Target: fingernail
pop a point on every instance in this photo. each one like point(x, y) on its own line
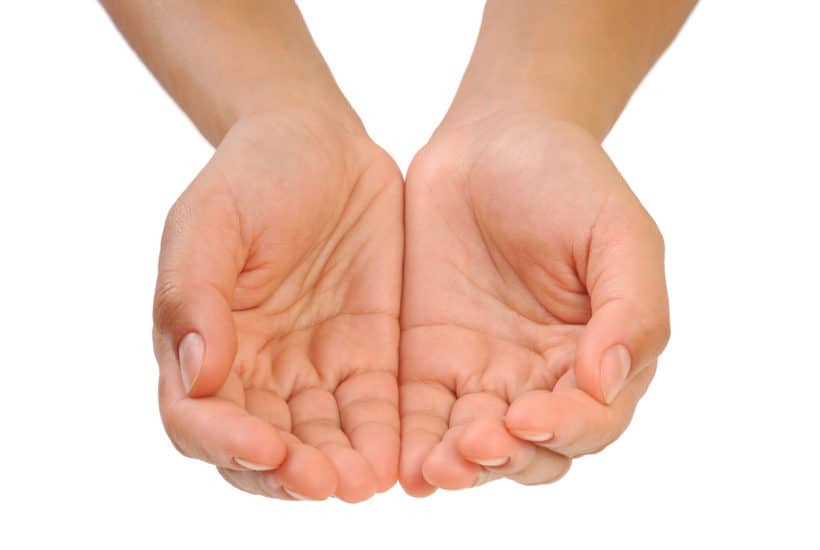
point(191, 352)
point(252, 465)
point(615, 366)
point(293, 494)
point(493, 462)
point(535, 437)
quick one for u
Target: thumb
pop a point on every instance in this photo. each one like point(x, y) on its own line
point(629, 326)
point(200, 260)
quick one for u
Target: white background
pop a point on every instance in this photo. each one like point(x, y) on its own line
point(720, 142)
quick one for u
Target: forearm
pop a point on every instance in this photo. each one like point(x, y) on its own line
point(576, 61)
point(224, 60)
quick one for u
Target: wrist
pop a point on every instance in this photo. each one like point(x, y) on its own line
point(224, 62)
point(488, 92)
point(470, 126)
point(313, 100)
point(292, 121)
point(485, 114)
point(521, 63)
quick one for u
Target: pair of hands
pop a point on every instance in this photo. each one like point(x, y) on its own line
point(323, 329)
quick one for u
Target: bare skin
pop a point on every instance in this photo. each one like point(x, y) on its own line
point(511, 253)
point(534, 305)
point(283, 260)
point(533, 301)
point(277, 303)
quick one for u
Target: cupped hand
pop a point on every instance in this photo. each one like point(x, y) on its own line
point(534, 303)
point(276, 312)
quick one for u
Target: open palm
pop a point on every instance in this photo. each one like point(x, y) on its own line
point(279, 285)
point(527, 257)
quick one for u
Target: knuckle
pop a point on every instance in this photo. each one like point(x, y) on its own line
point(167, 302)
point(161, 347)
point(656, 331)
point(653, 327)
point(177, 218)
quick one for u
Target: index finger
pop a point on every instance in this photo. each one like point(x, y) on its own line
point(570, 422)
point(214, 429)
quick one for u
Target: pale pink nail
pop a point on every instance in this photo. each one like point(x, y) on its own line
point(191, 354)
point(493, 462)
point(535, 437)
point(615, 366)
point(293, 494)
point(252, 465)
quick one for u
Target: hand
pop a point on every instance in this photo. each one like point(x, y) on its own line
point(534, 303)
point(276, 312)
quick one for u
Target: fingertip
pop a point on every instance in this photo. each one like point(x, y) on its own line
point(386, 472)
point(446, 469)
point(217, 356)
point(537, 417)
point(383, 485)
point(356, 480)
point(381, 450)
point(196, 322)
point(257, 443)
point(191, 353)
point(616, 364)
point(485, 442)
point(621, 339)
point(413, 454)
point(425, 410)
point(588, 369)
point(529, 414)
point(570, 421)
point(307, 473)
point(416, 486)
